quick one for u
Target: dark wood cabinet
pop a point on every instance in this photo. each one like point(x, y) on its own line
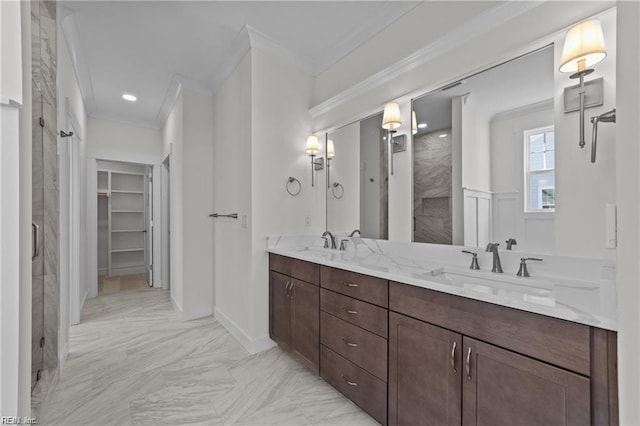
point(425, 385)
point(294, 312)
point(280, 310)
point(305, 302)
point(409, 355)
point(504, 388)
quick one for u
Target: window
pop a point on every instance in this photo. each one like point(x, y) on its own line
point(540, 176)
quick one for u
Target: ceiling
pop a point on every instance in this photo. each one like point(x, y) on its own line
point(517, 83)
point(140, 47)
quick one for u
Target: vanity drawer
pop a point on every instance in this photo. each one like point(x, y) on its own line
point(362, 314)
point(559, 342)
point(370, 289)
point(295, 268)
point(359, 346)
point(361, 387)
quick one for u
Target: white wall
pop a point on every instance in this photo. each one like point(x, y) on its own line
point(70, 97)
point(197, 189)
point(583, 188)
point(476, 159)
point(232, 194)
point(343, 214)
point(628, 198)
point(117, 141)
point(535, 232)
point(172, 137)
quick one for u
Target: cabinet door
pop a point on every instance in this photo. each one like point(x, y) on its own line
point(280, 309)
point(305, 338)
point(504, 388)
point(424, 373)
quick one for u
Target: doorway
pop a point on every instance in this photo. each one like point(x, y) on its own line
point(166, 222)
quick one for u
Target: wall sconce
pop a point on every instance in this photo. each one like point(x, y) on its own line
point(391, 122)
point(331, 152)
point(583, 48)
point(312, 148)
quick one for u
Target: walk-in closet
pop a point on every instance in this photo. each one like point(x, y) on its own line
point(124, 217)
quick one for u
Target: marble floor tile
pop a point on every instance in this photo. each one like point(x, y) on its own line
point(132, 362)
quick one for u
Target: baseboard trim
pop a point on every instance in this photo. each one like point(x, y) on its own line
point(176, 307)
point(83, 301)
point(253, 346)
point(189, 315)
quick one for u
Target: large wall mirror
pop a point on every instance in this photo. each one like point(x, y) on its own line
point(483, 158)
point(491, 157)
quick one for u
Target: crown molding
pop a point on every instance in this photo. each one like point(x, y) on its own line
point(71, 32)
point(177, 84)
point(461, 34)
point(234, 55)
point(355, 39)
point(263, 42)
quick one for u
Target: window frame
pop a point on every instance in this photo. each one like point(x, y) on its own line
point(528, 173)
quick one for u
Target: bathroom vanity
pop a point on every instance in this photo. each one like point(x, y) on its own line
point(416, 343)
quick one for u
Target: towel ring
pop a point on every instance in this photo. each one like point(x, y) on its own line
point(290, 180)
point(333, 190)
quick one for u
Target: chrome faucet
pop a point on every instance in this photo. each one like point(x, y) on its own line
point(511, 242)
point(523, 271)
point(353, 233)
point(497, 265)
point(326, 241)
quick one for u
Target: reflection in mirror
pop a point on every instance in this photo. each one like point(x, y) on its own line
point(483, 158)
point(357, 183)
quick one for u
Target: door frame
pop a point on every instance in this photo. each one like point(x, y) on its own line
point(70, 218)
point(165, 221)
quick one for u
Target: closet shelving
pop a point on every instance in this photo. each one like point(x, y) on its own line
point(125, 227)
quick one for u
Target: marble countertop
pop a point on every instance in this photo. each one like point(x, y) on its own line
point(574, 289)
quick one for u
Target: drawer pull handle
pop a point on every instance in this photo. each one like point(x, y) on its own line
point(289, 288)
point(349, 382)
point(348, 343)
point(350, 284)
point(468, 364)
point(350, 311)
point(453, 357)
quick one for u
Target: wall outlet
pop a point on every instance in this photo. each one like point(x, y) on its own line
point(245, 221)
point(307, 221)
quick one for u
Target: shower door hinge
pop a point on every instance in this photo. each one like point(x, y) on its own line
point(41, 122)
point(38, 375)
point(42, 342)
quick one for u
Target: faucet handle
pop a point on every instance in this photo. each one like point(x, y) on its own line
point(326, 242)
point(343, 245)
point(511, 242)
point(474, 259)
point(523, 271)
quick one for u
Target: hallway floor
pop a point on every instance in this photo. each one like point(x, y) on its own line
point(131, 361)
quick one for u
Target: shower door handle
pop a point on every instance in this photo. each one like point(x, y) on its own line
point(35, 231)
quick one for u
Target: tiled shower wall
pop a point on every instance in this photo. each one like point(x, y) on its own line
point(432, 187)
point(45, 187)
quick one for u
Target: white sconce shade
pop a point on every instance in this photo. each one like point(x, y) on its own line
point(414, 123)
point(331, 151)
point(391, 116)
point(583, 47)
point(313, 146)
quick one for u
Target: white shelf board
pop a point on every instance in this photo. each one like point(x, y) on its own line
point(127, 250)
point(126, 230)
point(127, 211)
point(119, 191)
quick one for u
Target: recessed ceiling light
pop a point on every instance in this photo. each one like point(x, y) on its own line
point(444, 135)
point(129, 97)
point(422, 125)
